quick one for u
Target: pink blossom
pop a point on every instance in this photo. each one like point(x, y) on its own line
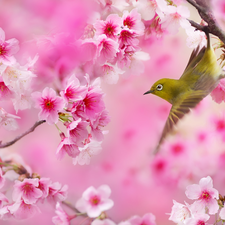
point(7, 120)
point(111, 73)
point(73, 91)
point(49, 104)
point(180, 213)
point(175, 16)
point(44, 186)
point(57, 192)
point(107, 49)
point(128, 37)
point(91, 105)
point(133, 21)
point(149, 8)
point(27, 190)
point(22, 210)
point(77, 131)
point(103, 222)
point(62, 217)
point(5, 93)
point(111, 27)
point(148, 219)
point(101, 121)
point(222, 213)
point(218, 94)
point(67, 146)
point(205, 193)
point(3, 199)
point(7, 49)
point(95, 201)
point(195, 38)
point(199, 219)
point(90, 149)
point(18, 78)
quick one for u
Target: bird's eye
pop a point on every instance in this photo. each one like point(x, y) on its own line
point(159, 87)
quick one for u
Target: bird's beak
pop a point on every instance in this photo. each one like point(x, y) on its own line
point(148, 92)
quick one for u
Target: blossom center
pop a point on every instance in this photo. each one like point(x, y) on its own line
point(109, 29)
point(2, 50)
point(177, 148)
point(48, 104)
point(176, 16)
point(200, 222)
point(128, 22)
point(220, 125)
point(205, 196)
point(27, 188)
point(94, 200)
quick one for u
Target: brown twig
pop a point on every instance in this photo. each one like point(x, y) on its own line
point(22, 135)
point(206, 14)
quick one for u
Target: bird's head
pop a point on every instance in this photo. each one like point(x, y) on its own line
point(164, 88)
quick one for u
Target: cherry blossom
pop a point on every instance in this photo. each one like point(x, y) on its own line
point(195, 38)
point(77, 131)
point(7, 49)
point(57, 192)
point(175, 16)
point(111, 73)
point(5, 93)
point(199, 219)
point(90, 149)
point(133, 21)
point(222, 213)
point(107, 49)
point(73, 91)
point(44, 186)
point(7, 120)
point(95, 201)
point(205, 193)
point(148, 8)
point(62, 217)
point(111, 27)
point(49, 103)
point(67, 146)
point(22, 210)
point(180, 213)
point(3, 198)
point(148, 219)
point(27, 190)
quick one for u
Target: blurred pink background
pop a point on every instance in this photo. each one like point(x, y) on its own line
point(140, 182)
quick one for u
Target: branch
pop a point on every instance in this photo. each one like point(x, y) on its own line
point(22, 135)
point(206, 14)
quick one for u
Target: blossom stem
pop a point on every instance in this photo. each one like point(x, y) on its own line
point(78, 213)
point(4, 145)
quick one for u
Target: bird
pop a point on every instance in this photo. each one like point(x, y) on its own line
point(200, 77)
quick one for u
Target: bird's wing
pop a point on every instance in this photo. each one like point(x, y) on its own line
point(178, 111)
point(195, 58)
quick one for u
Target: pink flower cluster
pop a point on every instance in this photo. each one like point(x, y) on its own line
point(15, 80)
point(82, 111)
point(27, 192)
point(206, 203)
point(115, 44)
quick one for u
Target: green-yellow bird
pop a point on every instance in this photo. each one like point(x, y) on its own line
point(200, 77)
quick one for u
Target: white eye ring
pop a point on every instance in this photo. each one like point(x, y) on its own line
point(159, 87)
